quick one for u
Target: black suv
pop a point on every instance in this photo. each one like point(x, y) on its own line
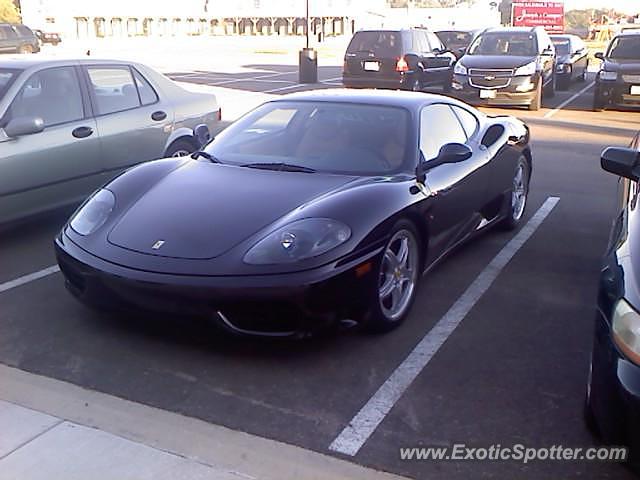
point(507, 66)
point(618, 81)
point(398, 59)
point(17, 38)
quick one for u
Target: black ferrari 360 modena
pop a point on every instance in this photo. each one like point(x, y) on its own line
point(314, 207)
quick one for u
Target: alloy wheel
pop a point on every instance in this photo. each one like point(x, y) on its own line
point(519, 192)
point(398, 274)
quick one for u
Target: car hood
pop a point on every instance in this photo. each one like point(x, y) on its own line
point(623, 66)
point(202, 210)
point(488, 62)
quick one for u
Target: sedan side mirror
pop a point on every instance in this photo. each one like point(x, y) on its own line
point(624, 162)
point(20, 126)
point(599, 55)
point(449, 153)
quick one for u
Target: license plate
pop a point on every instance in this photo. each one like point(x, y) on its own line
point(372, 66)
point(487, 94)
point(635, 90)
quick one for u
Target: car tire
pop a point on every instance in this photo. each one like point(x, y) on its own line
point(518, 195)
point(536, 103)
point(598, 104)
point(180, 148)
point(25, 49)
point(550, 90)
point(386, 311)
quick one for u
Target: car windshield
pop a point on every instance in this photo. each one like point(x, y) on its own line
point(520, 44)
point(7, 76)
point(563, 46)
point(380, 43)
point(625, 48)
point(330, 137)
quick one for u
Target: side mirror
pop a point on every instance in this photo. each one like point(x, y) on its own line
point(548, 51)
point(624, 162)
point(599, 55)
point(449, 153)
point(20, 126)
point(202, 135)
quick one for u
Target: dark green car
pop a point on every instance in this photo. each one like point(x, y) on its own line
point(67, 127)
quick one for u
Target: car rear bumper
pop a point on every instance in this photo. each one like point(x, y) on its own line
point(615, 391)
point(508, 95)
point(617, 93)
point(273, 305)
point(393, 82)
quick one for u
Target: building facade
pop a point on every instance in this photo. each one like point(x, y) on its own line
point(78, 19)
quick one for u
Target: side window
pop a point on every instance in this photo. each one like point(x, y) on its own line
point(439, 126)
point(113, 89)
point(434, 41)
point(53, 95)
point(6, 33)
point(420, 44)
point(147, 94)
point(23, 31)
point(467, 119)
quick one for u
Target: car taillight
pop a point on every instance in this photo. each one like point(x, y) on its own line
point(402, 65)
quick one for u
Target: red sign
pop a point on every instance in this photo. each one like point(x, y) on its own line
point(549, 15)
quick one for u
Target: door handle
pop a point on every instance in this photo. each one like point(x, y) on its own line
point(158, 116)
point(82, 132)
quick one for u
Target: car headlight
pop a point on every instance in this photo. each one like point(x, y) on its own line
point(299, 240)
point(625, 325)
point(460, 69)
point(604, 75)
point(528, 69)
point(93, 213)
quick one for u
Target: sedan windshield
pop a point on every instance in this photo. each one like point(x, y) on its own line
point(625, 48)
point(7, 77)
point(519, 44)
point(307, 137)
point(562, 46)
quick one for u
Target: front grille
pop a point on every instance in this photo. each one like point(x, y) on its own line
point(631, 79)
point(490, 78)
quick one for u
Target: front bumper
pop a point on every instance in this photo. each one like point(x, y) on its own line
point(617, 92)
point(615, 392)
point(463, 89)
point(273, 305)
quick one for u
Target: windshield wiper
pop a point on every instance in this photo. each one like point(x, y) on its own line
point(281, 167)
point(208, 156)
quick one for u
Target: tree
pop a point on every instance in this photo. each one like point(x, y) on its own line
point(9, 12)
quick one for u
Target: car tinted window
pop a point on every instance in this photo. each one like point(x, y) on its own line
point(454, 40)
point(420, 43)
point(563, 45)
point(6, 33)
point(52, 94)
point(505, 43)
point(7, 77)
point(380, 43)
point(439, 126)
point(147, 94)
point(113, 89)
point(467, 119)
point(325, 136)
point(434, 41)
point(24, 31)
point(625, 47)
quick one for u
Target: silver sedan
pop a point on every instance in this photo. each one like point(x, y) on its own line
point(67, 127)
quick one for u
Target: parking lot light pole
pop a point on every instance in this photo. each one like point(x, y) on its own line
point(308, 59)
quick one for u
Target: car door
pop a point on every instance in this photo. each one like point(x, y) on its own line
point(437, 63)
point(60, 164)
point(581, 57)
point(8, 39)
point(459, 189)
point(134, 124)
point(547, 55)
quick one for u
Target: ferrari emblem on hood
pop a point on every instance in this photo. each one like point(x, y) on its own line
point(158, 245)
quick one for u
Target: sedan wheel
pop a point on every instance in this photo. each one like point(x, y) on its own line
point(180, 153)
point(397, 280)
point(519, 194)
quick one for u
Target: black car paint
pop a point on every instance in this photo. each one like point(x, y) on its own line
point(614, 383)
point(573, 65)
point(617, 92)
point(456, 202)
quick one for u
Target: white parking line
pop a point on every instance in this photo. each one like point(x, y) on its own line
point(551, 113)
point(362, 426)
point(28, 278)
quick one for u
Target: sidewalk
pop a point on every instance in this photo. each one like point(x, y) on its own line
point(54, 430)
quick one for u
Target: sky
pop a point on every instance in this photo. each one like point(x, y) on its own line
point(627, 6)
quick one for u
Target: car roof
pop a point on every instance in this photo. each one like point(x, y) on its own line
point(510, 29)
point(629, 32)
point(391, 98)
point(23, 62)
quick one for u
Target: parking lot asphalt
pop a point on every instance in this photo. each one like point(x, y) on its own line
point(513, 372)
